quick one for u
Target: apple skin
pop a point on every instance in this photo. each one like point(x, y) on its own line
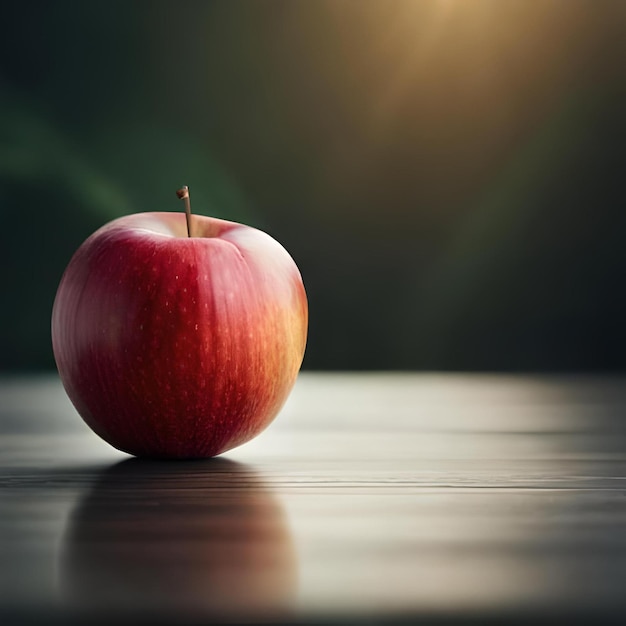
point(172, 346)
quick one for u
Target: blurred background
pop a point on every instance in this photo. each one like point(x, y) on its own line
point(447, 174)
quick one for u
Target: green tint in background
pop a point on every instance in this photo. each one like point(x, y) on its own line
point(448, 174)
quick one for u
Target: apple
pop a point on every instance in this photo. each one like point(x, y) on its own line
point(179, 346)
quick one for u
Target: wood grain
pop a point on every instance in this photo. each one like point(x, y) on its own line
point(373, 498)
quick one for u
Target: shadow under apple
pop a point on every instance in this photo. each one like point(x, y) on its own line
point(193, 539)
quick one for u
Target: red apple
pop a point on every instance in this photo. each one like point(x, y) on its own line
point(173, 346)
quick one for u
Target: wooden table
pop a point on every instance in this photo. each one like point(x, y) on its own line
point(373, 498)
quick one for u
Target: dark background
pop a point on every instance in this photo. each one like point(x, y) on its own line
point(448, 174)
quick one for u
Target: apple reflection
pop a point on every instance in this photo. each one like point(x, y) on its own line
point(201, 539)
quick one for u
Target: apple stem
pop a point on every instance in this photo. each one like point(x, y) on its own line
point(183, 194)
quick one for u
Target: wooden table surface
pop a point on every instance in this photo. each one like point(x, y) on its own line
point(373, 498)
